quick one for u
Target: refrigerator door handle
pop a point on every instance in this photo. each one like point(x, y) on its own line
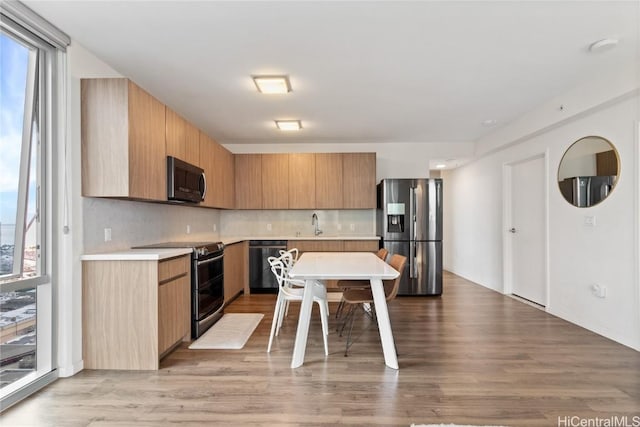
point(414, 222)
point(413, 270)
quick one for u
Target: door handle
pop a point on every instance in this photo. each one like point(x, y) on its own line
point(512, 230)
point(412, 260)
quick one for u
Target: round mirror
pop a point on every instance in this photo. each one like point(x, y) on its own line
point(588, 171)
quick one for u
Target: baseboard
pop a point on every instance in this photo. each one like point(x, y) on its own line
point(69, 371)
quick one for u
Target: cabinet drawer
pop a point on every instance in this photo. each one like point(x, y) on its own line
point(173, 268)
point(361, 245)
point(316, 245)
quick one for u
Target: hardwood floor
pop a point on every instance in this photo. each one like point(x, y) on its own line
point(472, 356)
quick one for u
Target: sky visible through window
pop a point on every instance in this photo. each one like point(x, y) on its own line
point(13, 75)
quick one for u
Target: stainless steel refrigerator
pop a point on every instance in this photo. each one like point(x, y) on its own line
point(584, 191)
point(409, 223)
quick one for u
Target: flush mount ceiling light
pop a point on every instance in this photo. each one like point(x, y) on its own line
point(602, 45)
point(272, 84)
point(489, 122)
point(441, 166)
point(289, 125)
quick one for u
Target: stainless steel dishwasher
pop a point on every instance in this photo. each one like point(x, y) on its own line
point(261, 279)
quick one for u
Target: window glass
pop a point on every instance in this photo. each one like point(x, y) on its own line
point(14, 59)
point(19, 235)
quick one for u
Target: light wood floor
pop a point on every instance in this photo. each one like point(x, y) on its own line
point(472, 356)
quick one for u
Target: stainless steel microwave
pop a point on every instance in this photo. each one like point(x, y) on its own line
point(185, 182)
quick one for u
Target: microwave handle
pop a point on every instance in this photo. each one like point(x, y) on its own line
point(203, 179)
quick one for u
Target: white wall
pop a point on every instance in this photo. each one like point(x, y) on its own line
point(580, 256)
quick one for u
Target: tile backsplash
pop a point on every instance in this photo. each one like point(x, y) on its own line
point(137, 223)
point(266, 223)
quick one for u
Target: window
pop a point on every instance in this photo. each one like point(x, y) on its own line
point(28, 73)
point(20, 164)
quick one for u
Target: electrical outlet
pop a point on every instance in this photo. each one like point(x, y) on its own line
point(107, 234)
point(590, 221)
point(352, 227)
point(268, 227)
point(215, 227)
point(339, 227)
point(188, 229)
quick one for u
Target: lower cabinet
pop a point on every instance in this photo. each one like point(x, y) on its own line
point(173, 312)
point(236, 265)
point(134, 312)
point(334, 245)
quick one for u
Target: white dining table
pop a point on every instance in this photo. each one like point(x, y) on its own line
point(318, 266)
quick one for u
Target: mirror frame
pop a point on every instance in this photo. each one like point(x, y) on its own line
point(615, 184)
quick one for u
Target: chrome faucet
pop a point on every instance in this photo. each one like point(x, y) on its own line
point(315, 221)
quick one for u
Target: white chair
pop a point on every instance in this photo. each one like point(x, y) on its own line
point(288, 291)
point(291, 256)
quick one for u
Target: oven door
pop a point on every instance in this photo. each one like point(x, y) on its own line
point(208, 292)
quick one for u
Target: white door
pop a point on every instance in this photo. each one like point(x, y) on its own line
point(528, 230)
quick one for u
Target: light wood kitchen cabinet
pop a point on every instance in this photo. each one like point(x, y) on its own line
point(306, 181)
point(236, 263)
point(316, 245)
point(174, 302)
point(224, 177)
point(123, 141)
point(328, 181)
point(361, 245)
point(248, 172)
point(275, 181)
point(302, 181)
point(334, 245)
point(182, 138)
point(218, 165)
point(133, 312)
point(359, 180)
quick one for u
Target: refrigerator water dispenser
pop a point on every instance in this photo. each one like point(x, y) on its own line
point(395, 217)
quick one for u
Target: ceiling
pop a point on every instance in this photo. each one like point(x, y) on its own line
point(382, 71)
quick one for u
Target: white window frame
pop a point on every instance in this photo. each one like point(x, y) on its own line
point(32, 30)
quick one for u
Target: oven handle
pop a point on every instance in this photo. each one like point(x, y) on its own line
point(207, 261)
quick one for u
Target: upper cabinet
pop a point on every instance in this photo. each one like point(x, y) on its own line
point(182, 139)
point(329, 181)
point(123, 141)
point(306, 181)
point(218, 165)
point(127, 135)
point(248, 172)
point(302, 178)
point(275, 181)
point(359, 180)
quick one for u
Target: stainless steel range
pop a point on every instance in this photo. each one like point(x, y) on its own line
point(207, 282)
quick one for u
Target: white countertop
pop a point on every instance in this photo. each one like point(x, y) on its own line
point(137, 255)
point(236, 239)
point(159, 254)
point(341, 266)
